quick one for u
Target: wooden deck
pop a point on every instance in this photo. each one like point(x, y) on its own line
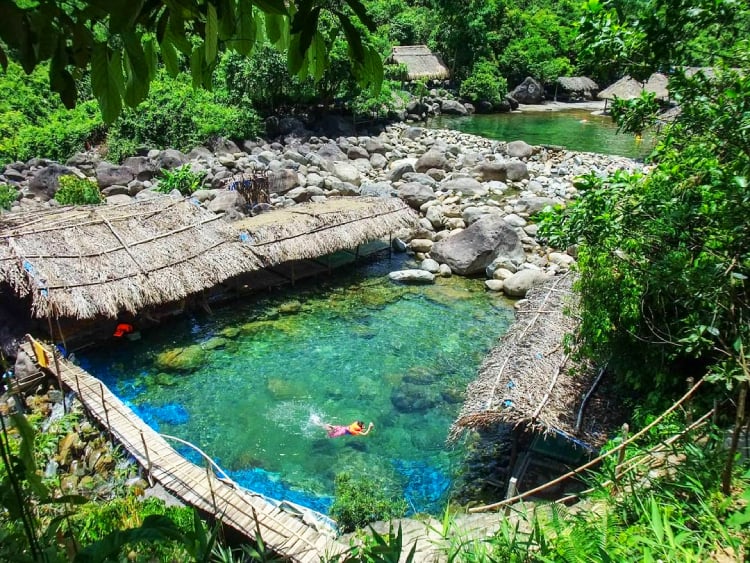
point(287, 534)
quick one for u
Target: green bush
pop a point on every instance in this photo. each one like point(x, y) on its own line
point(77, 191)
point(177, 116)
point(359, 502)
point(484, 84)
point(8, 196)
point(34, 123)
point(182, 179)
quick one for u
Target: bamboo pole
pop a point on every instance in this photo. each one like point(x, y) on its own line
point(57, 363)
point(106, 412)
point(594, 461)
point(148, 460)
point(621, 453)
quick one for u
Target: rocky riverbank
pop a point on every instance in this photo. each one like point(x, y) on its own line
point(476, 197)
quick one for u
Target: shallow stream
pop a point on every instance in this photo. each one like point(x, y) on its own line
point(351, 346)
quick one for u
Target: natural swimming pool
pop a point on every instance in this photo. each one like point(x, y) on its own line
point(352, 346)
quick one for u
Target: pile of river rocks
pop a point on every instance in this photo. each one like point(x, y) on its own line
point(476, 197)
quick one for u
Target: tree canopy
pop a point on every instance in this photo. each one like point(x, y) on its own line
point(121, 41)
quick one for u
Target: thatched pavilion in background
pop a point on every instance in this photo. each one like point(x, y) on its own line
point(628, 88)
point(530, 382)
point(420, 62)
point(80, 265)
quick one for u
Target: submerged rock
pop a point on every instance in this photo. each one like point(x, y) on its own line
point(181, 359)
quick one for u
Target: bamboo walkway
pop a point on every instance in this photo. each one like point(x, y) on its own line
point(248, 513)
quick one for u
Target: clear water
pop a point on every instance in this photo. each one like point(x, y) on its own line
point(576, 130)
point(358, 347)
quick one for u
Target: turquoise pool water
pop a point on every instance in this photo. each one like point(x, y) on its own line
point(353, 346)
point(576, 130)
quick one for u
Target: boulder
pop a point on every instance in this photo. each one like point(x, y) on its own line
point(520, 149)
point(347, 173)
point(517, 171)
point(528, 92)
point(45, 182)
point(519, 283)
point(490, 171)
point(181, 359)
point(471, 250)
point(170, 158)
point(415, 194)
point(575, 89)
point(432, 159)
point(452, 107)
point(378, 189)
point(412, 276)
point(108, 174)
point(467, 186)
point(142, 167)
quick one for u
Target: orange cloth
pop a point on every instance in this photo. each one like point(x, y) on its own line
point(123, 329)
point(355, 429)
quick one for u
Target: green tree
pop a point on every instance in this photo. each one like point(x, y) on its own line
point(121, 41)
point(664, 256)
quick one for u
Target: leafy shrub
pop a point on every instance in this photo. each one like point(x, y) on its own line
point(177, 116)
point(8, 195)
point(34, 123)
point(359, 502)
point(77, 191)
point(182, 179)
point(484, 84)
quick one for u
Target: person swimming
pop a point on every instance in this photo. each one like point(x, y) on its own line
point(356, 428)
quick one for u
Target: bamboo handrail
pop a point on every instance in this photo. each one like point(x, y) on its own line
point(594, 461)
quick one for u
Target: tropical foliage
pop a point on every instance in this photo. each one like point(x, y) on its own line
point(77, 191)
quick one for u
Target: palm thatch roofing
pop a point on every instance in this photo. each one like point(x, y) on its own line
point(628, 88)
point(420, 62)
point(529, 380)
point(93, 261)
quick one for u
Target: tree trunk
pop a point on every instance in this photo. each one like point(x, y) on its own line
point(739, 422)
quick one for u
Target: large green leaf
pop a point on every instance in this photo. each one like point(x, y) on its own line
point(196, 65)
point(107, 81)
point(359, 9)
point(277, 30)
point(245, 34)
point(317, 56)
point(169, 56)
point(295, 59)
point(212, 33)
point(353, 38)
point(60, 79)
point(123, 14)
point(277, 7)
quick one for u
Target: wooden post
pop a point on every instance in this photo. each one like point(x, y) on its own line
point(57, 362)
point(621, 453)
point(512, 491)
point(148, 461)
point(211, 488)
point(689, 403)
point(106, 412)
point(390, 245)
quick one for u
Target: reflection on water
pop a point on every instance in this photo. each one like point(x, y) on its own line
point(269, 370)
point(576, 130)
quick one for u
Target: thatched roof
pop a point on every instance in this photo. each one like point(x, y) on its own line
point(628, 88)
point(420, 62)
point(85, 262)
point(529, 379)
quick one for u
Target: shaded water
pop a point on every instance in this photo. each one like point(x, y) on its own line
point(576, 130)
point(355, 346)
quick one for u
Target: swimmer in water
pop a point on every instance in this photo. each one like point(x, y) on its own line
point(356, 428)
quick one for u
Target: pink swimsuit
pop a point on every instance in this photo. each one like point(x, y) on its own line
point(338, 431)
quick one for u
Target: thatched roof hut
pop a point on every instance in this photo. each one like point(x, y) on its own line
point(529, 380)
point(101, 261)
point(628, 88)
point(420, 62)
